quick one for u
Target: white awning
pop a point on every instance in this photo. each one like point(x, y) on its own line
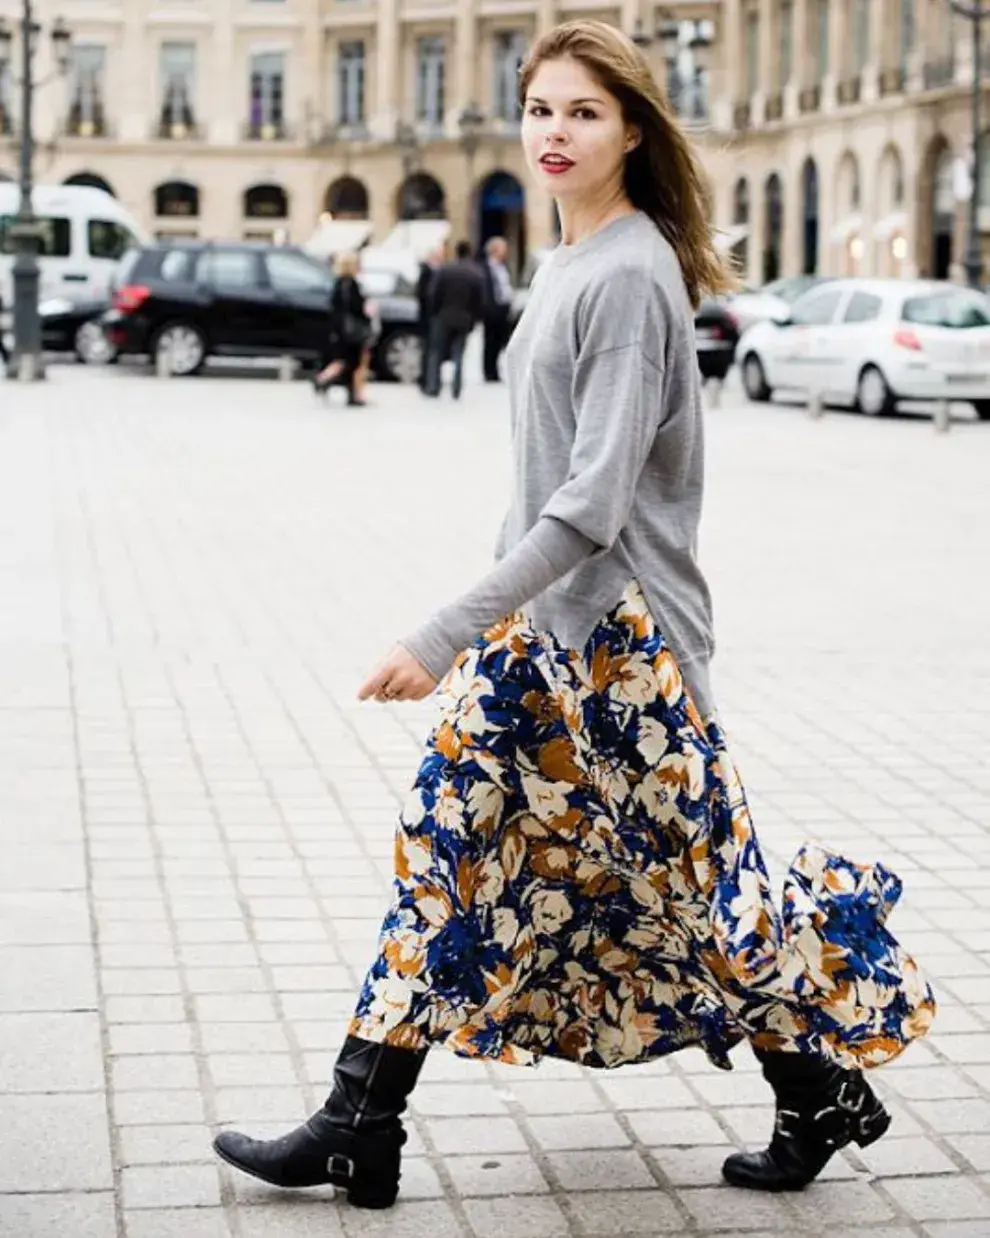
point(421, 236)
point(890, 225)
point(846, 228)
point(727, 239)
point(339, 236)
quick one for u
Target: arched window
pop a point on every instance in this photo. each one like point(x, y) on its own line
point(809, 216)
point(266, 202)
point(91, 180)
point(773, 226)
point(740, 201)
point(177, 199)
point(422, 197)
point(347, 198)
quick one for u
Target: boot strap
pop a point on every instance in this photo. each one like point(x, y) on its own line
point(338, 1163)
point(832, 1124)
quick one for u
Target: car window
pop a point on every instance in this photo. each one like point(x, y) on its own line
point(948, 309)
point(862, 307)
point(55, 234)
point(228, 268)
point(816, 309)
point(175, 266)
point(105, 239)
point(289, 272)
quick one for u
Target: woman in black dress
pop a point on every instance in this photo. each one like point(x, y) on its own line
point(350, 330)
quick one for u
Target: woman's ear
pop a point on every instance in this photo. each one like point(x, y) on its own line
point(634, 135)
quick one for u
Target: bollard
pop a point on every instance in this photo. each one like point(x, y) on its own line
point(816, 406)
point(942, 419)
point(286, 369)
point(27, 369)
point(713, 389)
point(163, 360)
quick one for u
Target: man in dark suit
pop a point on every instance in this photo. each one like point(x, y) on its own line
point(424, 287)
point(457, 303)
point(498, 303)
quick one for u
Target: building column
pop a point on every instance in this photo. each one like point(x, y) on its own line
point(387, 70)
point(766, 74)
point(882, 51)
point(546, 17)
point(224, 96)
point(467, 87)
point(838, 33)
point(132, 121)
point(727, 75)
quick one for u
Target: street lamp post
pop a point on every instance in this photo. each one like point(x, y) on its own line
point(973, 260)
point(26, 361)
point(471, 122)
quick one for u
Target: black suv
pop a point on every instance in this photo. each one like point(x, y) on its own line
point(197, 300)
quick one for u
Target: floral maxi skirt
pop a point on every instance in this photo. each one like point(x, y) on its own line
point(577, 875)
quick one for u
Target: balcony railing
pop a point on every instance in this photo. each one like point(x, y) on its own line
point(938, 73)
point(849, 90)
point(810, 99)
point(892, 81)
point(92, 124)
point(177, 130)
point(6, 122)
point(742, 115)
point(774, 107)
point(266, 131)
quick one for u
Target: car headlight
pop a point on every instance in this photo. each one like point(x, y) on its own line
point(48, 309)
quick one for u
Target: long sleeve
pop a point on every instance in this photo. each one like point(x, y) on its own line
point(548, 551)
point(617, 396)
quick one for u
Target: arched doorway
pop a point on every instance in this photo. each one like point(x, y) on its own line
point(891, 223)
point(266, 202)
point(773, 225)
point(502, 212)
point(90, 180)
point(847, 231)
point(421, 196)
point(347, 198)
point(740, 221)
point(943, 215)
point(809, 217)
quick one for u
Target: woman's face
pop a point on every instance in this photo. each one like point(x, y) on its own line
point(574, 136)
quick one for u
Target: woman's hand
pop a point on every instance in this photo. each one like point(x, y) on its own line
point(399, 678)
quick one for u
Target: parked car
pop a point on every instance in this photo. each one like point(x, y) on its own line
point(203, 299)
point(772, 300)
point(69, 327)
point(716, 335)
point(869, 343)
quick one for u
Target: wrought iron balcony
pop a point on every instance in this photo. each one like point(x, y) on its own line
point(92, 124)
point(6, 122)
point(849, 90)
point(810, 99)
point(266, 131)
point(938, 73)
point(178, 129)
point(774, 109)
point(742, 115)
point(892, 81)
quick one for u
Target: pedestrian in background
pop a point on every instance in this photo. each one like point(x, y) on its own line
point(498, 304)
point(456, 306)
point(348, 332)
point(4, 356)
point(424, 287)
point(577, 873)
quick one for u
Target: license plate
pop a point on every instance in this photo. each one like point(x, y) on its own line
point(965, 378)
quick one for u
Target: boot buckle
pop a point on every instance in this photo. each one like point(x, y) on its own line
point(337, 1163)
point(850, 1098)
point(783, 1125)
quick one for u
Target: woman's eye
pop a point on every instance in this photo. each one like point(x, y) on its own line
point(585, 113)
point(537, 109)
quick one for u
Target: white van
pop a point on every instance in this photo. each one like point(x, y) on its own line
point(85, 233)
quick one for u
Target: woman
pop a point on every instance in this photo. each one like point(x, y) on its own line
point(350, 330)
point(576, 869)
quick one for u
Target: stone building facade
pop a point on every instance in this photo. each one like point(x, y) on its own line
point(833, 131)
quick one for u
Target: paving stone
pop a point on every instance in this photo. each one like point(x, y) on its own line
point(557, 1097)
point(178, 1223)
point(905, 1157)
point(54, 1143)
point(592, 1130)
point(166, 1071)
point(47, 978)
point(975, 1148)
point(465, 1135)
point(170, 1186)
point(142, 1038)
point(165, 1144)
point(38, 1216)
point(955, 1117)
point(237, 1069)
point(943, 1199)
point(677, 1127)
point(697, 1166)
point(508, 1173)
point(605, 1169)
point(419, 1179)
point(523, 1218)
point(956, 1229)
point(826, 1203)
point(168, 1107)
point(624, 1212)
point(289, 1218)
point(415, 1219)
point(634, 1092)
point(720, 1208)
point(50, 1053)
point(470, 1099)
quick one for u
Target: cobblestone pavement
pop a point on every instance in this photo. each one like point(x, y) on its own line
point(196, 815)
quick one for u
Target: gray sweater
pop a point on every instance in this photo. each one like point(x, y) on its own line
point(608, 454)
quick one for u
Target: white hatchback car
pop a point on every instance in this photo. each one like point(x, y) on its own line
point(868, 343)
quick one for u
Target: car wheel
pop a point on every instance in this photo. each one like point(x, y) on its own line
point(92, 346)
point(754, 379)
point(873, 397)
point(982, 409)
point(184, 345)
point(402, 357)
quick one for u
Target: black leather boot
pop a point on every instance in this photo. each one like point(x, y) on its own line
point(820, 1108)
point(354, 1142)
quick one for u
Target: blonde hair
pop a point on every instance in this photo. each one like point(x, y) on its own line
point(663, 175)
point(346, 264)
